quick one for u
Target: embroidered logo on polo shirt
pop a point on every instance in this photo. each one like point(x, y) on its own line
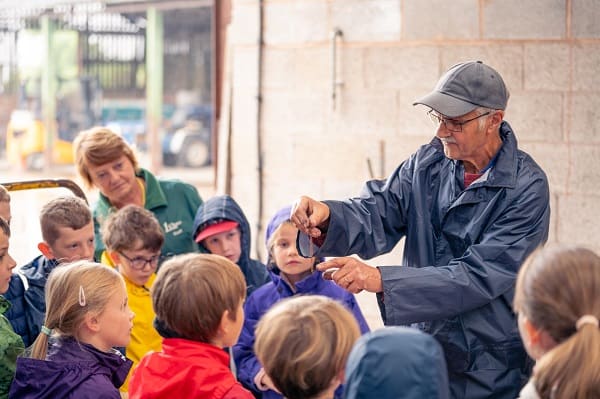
point(172, 226)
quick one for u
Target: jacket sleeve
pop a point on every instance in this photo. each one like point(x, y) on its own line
point(486, 270)
point(243, 352)
point(238, 392)
point(17, 314)
point(373, 223)
point(355, 309)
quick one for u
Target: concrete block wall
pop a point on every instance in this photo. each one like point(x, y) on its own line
point(391, 52)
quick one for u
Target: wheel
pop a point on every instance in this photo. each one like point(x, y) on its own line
point(194, 154)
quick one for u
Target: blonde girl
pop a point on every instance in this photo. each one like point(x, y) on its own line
point(557, 299)
point(87, 315)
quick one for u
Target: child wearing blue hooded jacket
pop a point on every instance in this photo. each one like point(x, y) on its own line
point(221, 228)
point(291, 275)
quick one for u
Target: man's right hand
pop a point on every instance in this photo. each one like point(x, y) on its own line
point(310, 216)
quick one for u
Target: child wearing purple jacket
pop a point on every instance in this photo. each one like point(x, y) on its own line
point(291, 275)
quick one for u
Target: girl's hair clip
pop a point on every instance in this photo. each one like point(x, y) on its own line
point(81, 296)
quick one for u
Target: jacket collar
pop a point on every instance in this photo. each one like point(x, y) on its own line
point(504, 172)
point(155, 196)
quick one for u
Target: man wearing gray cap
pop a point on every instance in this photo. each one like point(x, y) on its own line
point(471, 207)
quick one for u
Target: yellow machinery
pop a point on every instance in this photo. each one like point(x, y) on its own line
point(78, 108)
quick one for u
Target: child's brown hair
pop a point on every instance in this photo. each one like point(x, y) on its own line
point(98, 146)
point(192, 292)
point(4, 194)
point(68, 211)
point(556, 287)
point(130, 225)
point(73, 290)
point(303, 344)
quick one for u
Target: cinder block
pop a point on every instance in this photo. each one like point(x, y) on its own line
point(441, 19)
point(536, 115)
point(577, 223)
point(244, 112)
point(553, 159)
point(362, 112)
point(586, 58)
point(289, 112)
point(293, 68)
point(584, 118)
point(367, 20)
point(278, 64)
point(585, 173)
point(506, 59)
point(351, 69)
point(401, 67)
point(553, 230)
point(245, 67)
point(518, 19)
point(546, 66)
point(413, 120)
point(398, 150)
point(295, 22)
point(585, 17)
point(243, 28)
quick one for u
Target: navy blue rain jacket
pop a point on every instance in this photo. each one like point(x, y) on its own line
point(225, 207)
point(28, 309)
point(462, 251)
point(396, 362)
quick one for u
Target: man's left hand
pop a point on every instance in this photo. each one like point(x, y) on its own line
point(353, 275)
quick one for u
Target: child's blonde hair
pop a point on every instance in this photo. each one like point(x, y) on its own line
point(303, 344)
point(128, 226)
point(555, 288)
point(72, 291)
point(192, 292)
point(60, 212)
point(98, 146)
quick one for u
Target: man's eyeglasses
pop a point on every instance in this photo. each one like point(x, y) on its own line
point(451, 124)
point(139, 262)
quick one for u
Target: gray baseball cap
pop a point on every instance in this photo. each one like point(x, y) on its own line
point(465, 87)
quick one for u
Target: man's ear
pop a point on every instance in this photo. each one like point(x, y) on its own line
point(46, 250)
point(496, 119)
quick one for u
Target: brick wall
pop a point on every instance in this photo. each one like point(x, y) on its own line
point(393, 51)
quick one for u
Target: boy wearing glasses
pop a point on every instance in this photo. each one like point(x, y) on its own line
point(133, 240)
point(68, 235)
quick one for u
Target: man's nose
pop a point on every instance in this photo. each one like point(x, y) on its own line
point(442, 132)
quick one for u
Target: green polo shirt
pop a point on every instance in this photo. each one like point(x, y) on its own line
point(173, 202)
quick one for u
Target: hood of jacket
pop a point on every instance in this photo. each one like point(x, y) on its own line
point(396, 361)
point(38, 269)
point(225, 207)
point(69, 364)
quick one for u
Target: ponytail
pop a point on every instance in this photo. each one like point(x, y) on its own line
point(570, 369)
point(558, 290)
